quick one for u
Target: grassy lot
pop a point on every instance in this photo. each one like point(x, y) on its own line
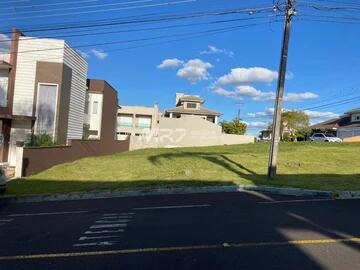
point(306, 165)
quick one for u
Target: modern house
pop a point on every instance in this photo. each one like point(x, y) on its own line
point(346, 126)
point(191, 105)
point(42, 90)
point(137, 121)
point(99, 115)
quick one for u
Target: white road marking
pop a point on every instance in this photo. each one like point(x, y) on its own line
point(113, 221)
point(108, 226)
point(104, 231)
point(115, 217)
point(106, 243)
point(50, 213)
point(82, 238)
point(117, 214)
point(6, 220)
point(173, 207)
point(296, 201)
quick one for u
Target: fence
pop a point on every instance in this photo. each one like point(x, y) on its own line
point(34, 160)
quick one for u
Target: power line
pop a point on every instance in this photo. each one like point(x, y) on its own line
point(80, 7)
point(102, 10)
point(225, 29)
point(47, 5)
point(145, 29)
point(144, 18)
point(193, 36)
point(14, 1)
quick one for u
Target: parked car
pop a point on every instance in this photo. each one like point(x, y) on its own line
point(324, 137)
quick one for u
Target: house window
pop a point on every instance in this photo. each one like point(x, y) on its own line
point(191, 105)
point(86, 109)
point(95, 107)
point(3, 92)
point(46, 109)
point(125, 121)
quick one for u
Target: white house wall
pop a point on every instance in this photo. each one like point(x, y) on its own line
point(95, 119)
point(30, 51)
point(20, 130)
point(78, 92)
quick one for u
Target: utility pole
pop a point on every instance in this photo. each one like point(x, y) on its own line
point(275, 139)
point(239, 110)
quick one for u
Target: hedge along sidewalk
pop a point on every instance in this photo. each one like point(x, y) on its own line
point(169, 191)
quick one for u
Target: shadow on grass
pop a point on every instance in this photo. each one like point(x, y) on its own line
point(321, 181)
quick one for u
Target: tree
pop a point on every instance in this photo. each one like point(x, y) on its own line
point(234, 127)
point(295, 124)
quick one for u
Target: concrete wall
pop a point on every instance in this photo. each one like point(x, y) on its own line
point(137, 113)
point(348, 132)
point(33, 160)
point(352, 139)
point(185, 132)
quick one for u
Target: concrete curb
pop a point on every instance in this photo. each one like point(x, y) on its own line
point(168, 191)
point(347, 195)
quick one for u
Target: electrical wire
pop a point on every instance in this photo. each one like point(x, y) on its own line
point(101, 10)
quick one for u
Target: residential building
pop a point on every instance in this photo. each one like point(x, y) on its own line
point(99, 119)
point(42, 90)
point(346, 126)
point(191, 105)
point(137, 121)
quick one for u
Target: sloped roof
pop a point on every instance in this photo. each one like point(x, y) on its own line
point(344, 121)
point(4, 65)
point(357, 110)
point(201, 111)
point(191, 98)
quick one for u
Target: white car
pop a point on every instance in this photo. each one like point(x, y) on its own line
point(324, 137)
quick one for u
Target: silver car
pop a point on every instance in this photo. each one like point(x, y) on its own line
point(324, 137)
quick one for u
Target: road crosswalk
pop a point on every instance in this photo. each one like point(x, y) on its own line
point(105, 231)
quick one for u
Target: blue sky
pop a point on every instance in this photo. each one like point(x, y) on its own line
point(224, 68)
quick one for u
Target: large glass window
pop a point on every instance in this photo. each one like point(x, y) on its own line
point(191, 105)
point(46, 109)
point(3, 91)
point(95, 107)
point(125, 121)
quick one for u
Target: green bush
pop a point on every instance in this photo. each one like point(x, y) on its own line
point(234, 127)
point(43, 139)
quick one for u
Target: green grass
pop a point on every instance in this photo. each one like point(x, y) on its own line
point(305, 165)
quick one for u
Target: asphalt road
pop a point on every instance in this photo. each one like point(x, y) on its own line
point(197, 231)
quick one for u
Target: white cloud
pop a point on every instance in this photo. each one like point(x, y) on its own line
point(297, 97)
point(98, 54)
point(194, 70)
point(321, 115)
point(269, 112)
point(214, 50)
point(83, 54)
point(242, 91)
point(257, 124)
point(313, 115)
point(254, 94)
point(169, 63)
point(244, 76)
point(5, 43)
